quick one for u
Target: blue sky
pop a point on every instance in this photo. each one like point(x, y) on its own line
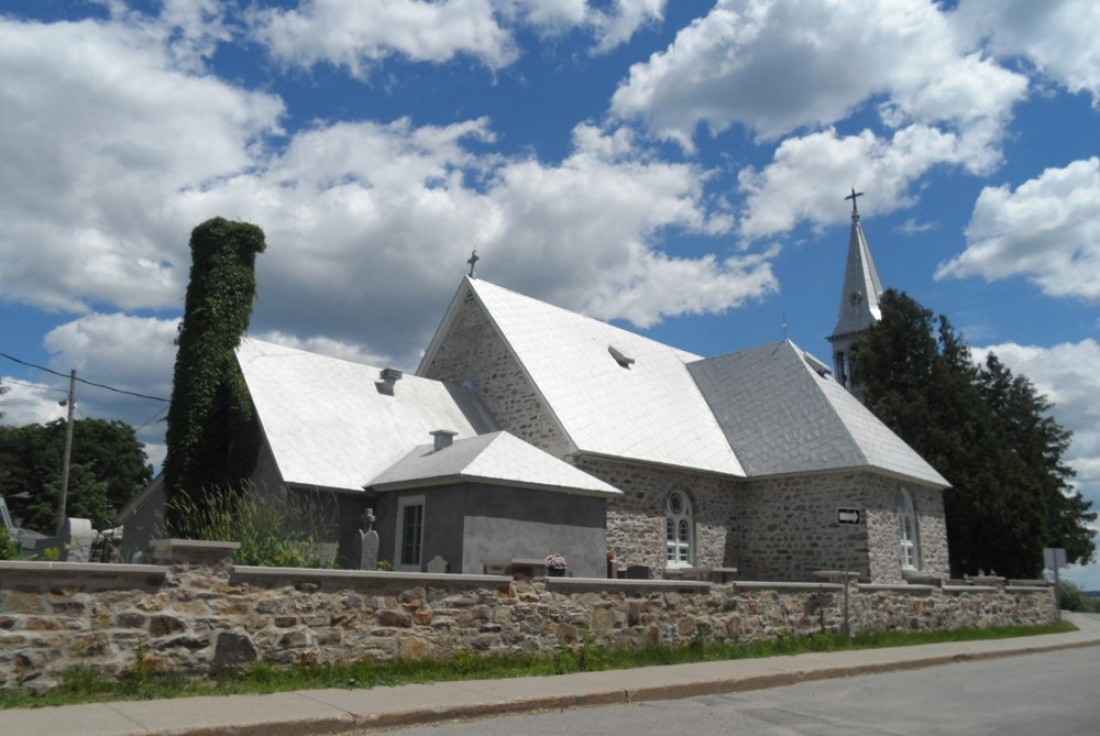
point(678, 167)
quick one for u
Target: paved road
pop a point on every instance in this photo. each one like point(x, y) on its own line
point(1055, 694)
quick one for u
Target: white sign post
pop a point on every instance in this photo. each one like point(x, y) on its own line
point(1055, 559)
point(847, 517)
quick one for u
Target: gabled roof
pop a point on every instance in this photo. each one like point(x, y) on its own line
point(613, 392)
point(497, 458)
point(859, 298)
point(782, 415)
point(327, 423)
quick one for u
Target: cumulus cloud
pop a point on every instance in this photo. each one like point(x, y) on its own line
point(370, 225)
point(1058, 37)
point(779, 67)
point(1047, 230)
point(357, 35)
point(775, 67)
point(802, 181)
point(95, 139)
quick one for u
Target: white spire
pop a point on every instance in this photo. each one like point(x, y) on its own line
point(859, 298)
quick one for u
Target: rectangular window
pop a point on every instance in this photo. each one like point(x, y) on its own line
point(410, 532)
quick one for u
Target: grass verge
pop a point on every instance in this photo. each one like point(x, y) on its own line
point(83, 685)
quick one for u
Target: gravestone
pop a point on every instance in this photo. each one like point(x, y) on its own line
point(368, 543)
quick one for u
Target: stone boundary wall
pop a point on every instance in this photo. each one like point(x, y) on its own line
point(197, 611)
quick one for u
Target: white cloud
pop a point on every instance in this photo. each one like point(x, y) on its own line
point(138, 354)
point(1057, 36)
point(1047, 230)
point(96, 139)
point(370, 226)
point(808, 174)
point(778, 66)
point(617, 27)
point(358, 35)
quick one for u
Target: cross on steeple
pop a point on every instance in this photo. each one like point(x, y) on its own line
point(474, 258)
point(852, 196)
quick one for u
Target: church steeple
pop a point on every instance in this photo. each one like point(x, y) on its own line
point(859, 300)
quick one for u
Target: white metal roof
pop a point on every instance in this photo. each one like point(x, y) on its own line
point(782, 416)
point(496, 458)
point(327, 423)
point(650, 410)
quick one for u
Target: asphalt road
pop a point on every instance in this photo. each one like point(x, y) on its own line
point(1055, 694)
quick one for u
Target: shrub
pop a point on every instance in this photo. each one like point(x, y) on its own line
point(8, 550)
point(283, 528)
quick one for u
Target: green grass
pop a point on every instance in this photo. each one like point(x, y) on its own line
point(83, 685)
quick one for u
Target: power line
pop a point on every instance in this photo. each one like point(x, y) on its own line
point(84, 381)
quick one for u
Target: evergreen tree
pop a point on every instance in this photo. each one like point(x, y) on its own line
point(921, 381)
point(212, 433)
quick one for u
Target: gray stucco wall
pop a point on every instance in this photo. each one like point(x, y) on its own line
point(469, 523)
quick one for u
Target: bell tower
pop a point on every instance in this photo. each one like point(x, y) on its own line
point(859, 302)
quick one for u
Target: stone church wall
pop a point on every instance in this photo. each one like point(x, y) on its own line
point(636, 521)
point(789, 528)
point(475, 352)
point(197, 612)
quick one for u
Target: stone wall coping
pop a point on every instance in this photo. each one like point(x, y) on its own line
point(199, 545)
point(1039, 583)
point(778, 585)
point(113, 569)
point(1027, 588)
point(898, 588)
point(616, 583)
point(969, 589)
point(316, 574)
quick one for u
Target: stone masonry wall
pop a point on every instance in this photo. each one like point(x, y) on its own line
point(475, 352)
point(788, 529)
point(199, 612)
point(636, 521)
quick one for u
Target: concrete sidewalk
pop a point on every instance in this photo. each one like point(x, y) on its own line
point(335, 711)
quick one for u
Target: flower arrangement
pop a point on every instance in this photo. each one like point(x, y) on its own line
point(555, 561)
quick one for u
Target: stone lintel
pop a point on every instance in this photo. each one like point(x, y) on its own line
point(628, 583)
point(780, 586)
point(899, 588)
point(243, 572)
point(193, 551)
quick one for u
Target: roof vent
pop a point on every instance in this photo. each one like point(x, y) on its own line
point(621, 358)
point(818, 367)
point(389, 376)
point(443, 438)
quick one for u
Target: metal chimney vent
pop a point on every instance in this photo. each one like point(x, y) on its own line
point(443, 438)
point(620, 357)
point(389, 376)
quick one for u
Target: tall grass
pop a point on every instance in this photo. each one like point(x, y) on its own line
point(282, 528)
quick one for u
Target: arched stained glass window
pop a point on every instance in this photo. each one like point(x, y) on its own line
point(910, 541)
point(679, 531)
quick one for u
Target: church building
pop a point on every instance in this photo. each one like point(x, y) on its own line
point(529, 429)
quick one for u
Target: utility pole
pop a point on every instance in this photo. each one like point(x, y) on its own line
point(66, 457)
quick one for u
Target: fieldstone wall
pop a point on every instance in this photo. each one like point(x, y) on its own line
point(789, 530)
point(199, 611)
point(636, 520)
point(474, 352)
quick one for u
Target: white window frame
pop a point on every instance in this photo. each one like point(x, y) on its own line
point(399, 538)
point(908, 532)
point(680, 544)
